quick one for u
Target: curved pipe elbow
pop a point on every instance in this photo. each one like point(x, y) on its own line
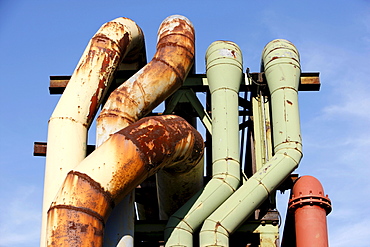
point(94, 72)
point(154, 82)
point(128, 157)
point(240, 205)
point(282, 70)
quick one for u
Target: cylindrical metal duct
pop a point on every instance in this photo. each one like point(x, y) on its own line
point(224, 74)
point(282, 70)
point(68, 125)
point(140, 94)
point(156, 81)
point(176, 185)
point(309, 205)
point(90, 191)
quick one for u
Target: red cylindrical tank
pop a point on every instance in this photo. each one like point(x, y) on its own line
point(310, 207)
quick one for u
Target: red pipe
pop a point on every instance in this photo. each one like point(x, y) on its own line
point(309, 205)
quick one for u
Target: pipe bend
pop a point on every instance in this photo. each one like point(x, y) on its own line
point(308, 190)
point(71, 118)
point(282, 70)
point(113, 170)
point(146, 89)
point(154, 82)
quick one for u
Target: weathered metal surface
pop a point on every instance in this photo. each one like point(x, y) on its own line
point(282, 70)
point(309, 205)
point(67, 133)
point(153, 83)
point(114, 169)
point(224, 72)
point(77, 215)
point(148, 88)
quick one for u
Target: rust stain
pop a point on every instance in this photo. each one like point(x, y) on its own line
point(71, 228)
point(158, 138)
point(107, 53)
point(157, 80)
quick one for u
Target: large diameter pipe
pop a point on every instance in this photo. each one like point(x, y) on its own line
point(154, 82)
point(139, 95)
point(90, 191)
point(309, 205)
point(68, 125)
point(282, 70)
point(224, 73)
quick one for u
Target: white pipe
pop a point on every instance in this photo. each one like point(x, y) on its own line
point(68, 125)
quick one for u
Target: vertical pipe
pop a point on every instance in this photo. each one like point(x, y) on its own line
point(282, 70)
point(176, 185)
point(224, 73)
point(142, 93)
point(68, 125)
point(309, 205)
point(91, 190)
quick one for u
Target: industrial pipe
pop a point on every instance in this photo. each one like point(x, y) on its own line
point(139, 95)
point(156, 81)
point(282, 69)
point(176, 185)
point(68, 125)
point(79, 212)
point(309, 205)
point(224, 74)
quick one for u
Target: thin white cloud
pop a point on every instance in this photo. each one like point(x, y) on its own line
point(353, 233)
point(20, 218)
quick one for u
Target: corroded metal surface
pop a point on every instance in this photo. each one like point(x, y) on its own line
point(67, 133)
point(153, 83)
point(113, 170)
point(76, 217)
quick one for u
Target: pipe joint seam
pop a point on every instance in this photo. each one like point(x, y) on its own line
point(70, 208)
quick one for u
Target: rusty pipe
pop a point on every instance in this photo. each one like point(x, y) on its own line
point(154, 82)
point(90, 191)
point(309, 206)
point(142, 93)
point(68, 125)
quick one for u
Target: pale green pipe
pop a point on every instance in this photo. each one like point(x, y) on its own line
point(224, 74)
point(282, 70)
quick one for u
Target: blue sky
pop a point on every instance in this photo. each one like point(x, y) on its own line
point(43, 38)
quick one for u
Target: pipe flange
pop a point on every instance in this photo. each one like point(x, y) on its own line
point(307, 190)
point(310, 200)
